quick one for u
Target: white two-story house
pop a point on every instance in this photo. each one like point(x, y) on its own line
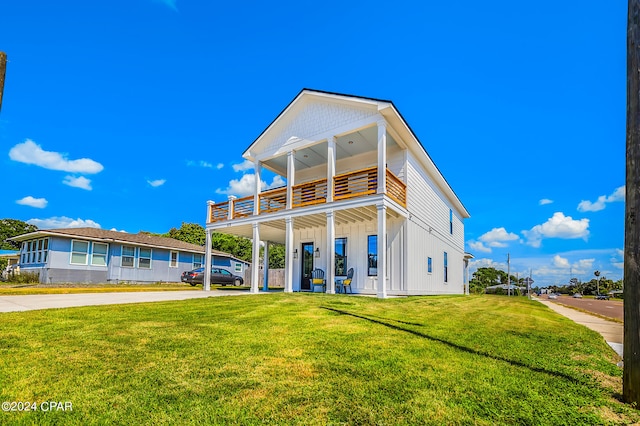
point(361, 192)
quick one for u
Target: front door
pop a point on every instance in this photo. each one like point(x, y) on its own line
point(307, 266)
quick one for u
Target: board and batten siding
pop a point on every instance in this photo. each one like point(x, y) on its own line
point(428, 235)
point(356, 234)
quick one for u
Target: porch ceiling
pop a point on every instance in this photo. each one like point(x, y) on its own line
point(274, 230)
point(349, 145)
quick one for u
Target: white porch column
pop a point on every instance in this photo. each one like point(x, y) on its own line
point(265, 268)
point(256, 195)
point(331, 253)
point(382, 158)
point(232, 206)
point(291, 174)
point(331, 166)
point(288, 258)
point(255, 258)
point(206, 284)
point(382, 250)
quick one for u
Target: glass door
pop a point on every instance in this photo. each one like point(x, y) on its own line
point(307, 266)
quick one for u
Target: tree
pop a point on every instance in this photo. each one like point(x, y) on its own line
point(12, 228)
point(189, 233)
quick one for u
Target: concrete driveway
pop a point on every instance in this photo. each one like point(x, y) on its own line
point(50, 301)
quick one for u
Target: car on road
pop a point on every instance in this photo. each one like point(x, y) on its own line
point(552, 296)
point(602, 297)
point(218, 276)
point(577, 296)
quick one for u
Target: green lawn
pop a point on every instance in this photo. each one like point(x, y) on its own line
point(311, 359)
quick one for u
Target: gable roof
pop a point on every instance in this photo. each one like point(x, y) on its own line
point(103, 235)
point(392, 115)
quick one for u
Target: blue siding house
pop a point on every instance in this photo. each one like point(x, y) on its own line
point(90, 255)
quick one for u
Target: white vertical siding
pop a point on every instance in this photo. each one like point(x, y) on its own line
point(429, 236)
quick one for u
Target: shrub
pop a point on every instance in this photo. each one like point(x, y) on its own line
point(25, 278)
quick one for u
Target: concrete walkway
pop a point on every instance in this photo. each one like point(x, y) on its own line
point(49, 301)
point(613, 332)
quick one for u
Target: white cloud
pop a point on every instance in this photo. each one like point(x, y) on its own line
point(545, 201)
point(602, 201)
point(479, 246)
point(244, 166)
point(157, 182)
point(201, 163)
point(78, 182)
point(219, 166)
point(63, 222)
point(30, 152)
point(246, 185)
point(583, 265)
point(39, 203)
point(497, 236)
point(558, 226)
point(560, 262)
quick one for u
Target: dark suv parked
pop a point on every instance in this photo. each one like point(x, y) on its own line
point(602, 297)
point(218, 276)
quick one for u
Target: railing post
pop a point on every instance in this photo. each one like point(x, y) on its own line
point(209, 211)
point(291, 172)
point(256, 195)
point(232, 199)
point(331, 167)
point(382, 157)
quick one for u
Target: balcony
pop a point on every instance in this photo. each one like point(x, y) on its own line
point(360, 183)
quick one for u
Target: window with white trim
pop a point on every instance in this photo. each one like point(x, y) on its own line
point(128, 256)
point(238, 267)
point(79, 252)
point(372, 255)
point(34, 251)
point(173, 259)
point(198, 260)
point(144, 258)
point(446, 268)
point(429, 265)
point(341, 256)
point(99, 254)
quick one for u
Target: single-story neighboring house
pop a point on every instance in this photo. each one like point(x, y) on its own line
point(91, 255)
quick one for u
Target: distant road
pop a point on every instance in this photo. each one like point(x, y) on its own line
point(606, 308)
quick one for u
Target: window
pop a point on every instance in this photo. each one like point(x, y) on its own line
point(198, 259)
point(238, 267)
point(372, 255)
point(99, 254)
point(45, 250)
point(128, 255)
point(446, 271)
point(79, 252)
point(173, 259)
point(429, 265)
point(144, 258)
point(451, 221)
point(35, 251)
point(341, 256)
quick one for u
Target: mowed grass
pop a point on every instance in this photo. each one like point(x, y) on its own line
point(311, 359)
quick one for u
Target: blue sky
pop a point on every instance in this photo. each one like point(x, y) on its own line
point(130, 115)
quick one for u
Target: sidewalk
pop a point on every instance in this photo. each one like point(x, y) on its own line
point(613, 332)
point(49, 301)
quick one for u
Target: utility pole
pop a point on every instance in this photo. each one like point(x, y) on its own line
point(631, 347)
point(3, 70)
point(508, 275)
